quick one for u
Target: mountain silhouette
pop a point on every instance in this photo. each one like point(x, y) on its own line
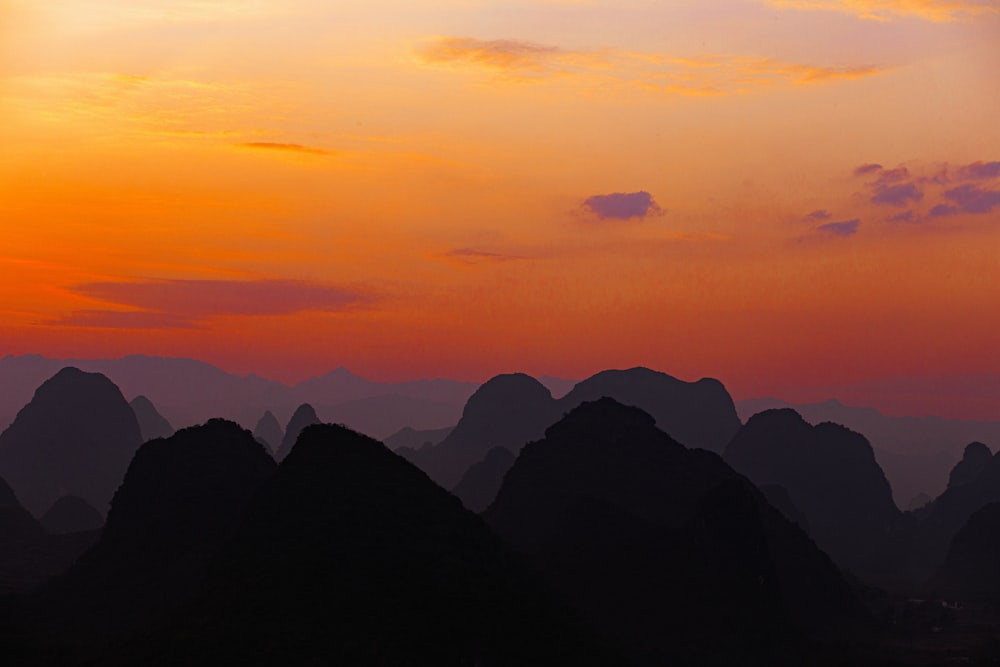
point(831, 476)
point(507, 411)
point(180, 500)
point(350, 555)
point(480, 483)
point(268, 431)
point(666, 547)
point(151, 423)
point(974, 461)
point(16, 523)
point(696, 414)
point(76, 436)
point(416, 438)
point(304, 416)
point(71, 514)
point(971, 572)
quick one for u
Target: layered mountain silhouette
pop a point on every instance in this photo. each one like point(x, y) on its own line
point(481, 482)
point(510, 410)
point(668, 548)
point(416, 438)
point(975, 459)
point(16, 523)
point(71, 514)
point(304, 416)
point(350, 555)
point(151, 423)
point(76, 436)
point(181, 499)
point(831, 477)
point(269, 432)
point(971, 572)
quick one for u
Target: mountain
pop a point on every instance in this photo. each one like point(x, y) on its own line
point(916, 453)
point(350, 555)
point(76, 436)
point(179, 502)
point(151, 423)
point(668, 548)
point(971, 572)
point(507, 411)
point(481, 482)
point(974, 461)
point(71, 514)
point(340, 385)
point(268, 431)
point(381, 416)
point(557, 386)
point(831, 476)
point(697, 414)
point(304, 416)
point(416, 438)
point(16, 523)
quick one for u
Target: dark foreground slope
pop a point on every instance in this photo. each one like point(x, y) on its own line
point(668, 548)
point(349, 555)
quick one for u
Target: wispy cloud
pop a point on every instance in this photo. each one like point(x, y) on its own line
point(897, 195)
point(973, 199)
point(718, 74)
point(467, 256)
point(622, 205)
point(817, 216)
point(288, 148)
point(883, 10)
point(866, 169)
point(844, 228)
point(979, 171)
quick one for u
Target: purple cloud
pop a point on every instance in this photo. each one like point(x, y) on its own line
point(124, 319)
point(897, 195)
point(818, 216)
point(845, 228)
point(973, 199)
point(907, 216)
point(942, 210)
point(867, 169)
point(622, 205)
point(889, 176)
point(979, 171)
point(473, 256)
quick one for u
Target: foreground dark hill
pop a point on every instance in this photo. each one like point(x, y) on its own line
point(304, 416)
point(350, 555)
point(971, 572)
point(666, 547)
point(481, 482)
point(181, 499)
point(151, 423)
point(831, 476)
point(76, 436)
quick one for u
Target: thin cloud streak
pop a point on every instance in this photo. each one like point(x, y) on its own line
point(939, 11)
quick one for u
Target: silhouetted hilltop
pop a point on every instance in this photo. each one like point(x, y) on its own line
point(151, 423)
point(831, 476)
point(304, 416)
point(76, 436)
point(416, 438)
point(180, 500)
point(696, 414)
point(268, 431)
point(350, 555)
point(16, 523)
point(974, 461)
point(480, 483)
point(71, 514)
point(667, 547)
point(971, 572)
point(507, 411)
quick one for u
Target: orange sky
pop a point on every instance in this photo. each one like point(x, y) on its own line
point(459, 188)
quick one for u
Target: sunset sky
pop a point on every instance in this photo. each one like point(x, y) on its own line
point(782, 194)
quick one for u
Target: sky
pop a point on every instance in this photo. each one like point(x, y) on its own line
point(782, 194)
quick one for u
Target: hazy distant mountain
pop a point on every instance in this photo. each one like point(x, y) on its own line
point(975, 459)
point(667, 547)
point(481, 482)
point(180, 501)
point(916, 453)
point(76, 436)
point(696, 414)
point(151, 423)
point(350, 555)
point(831, 476)
point(269, 431)
point(971, 572)
point(557, 386)
point(304, 416)
point(415, 439)
point(340, 386)
point(381, 416)
point(71, 514)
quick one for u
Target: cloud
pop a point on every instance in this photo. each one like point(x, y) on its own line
point(622, 205)
point(818, 216)
point(882, 10)
point(906, 216)
point(888, 176)
point(942, 210)
point(867, 169)
point(979, 171)
point(472, 256)
point(292, 148)
point(897, 195)
point(844, 228)
point(184, 303)
point(649, 72)
point(973, 199)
